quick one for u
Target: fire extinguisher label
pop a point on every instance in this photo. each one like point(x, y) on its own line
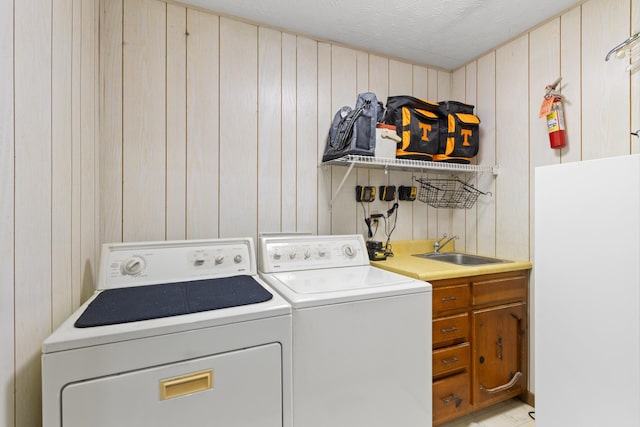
point(555, 119)
point(552, 122)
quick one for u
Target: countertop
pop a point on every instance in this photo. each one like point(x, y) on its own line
point(403, 262)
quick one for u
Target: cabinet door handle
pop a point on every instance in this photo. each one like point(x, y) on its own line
point(452, 398)
point(445, 299)
point(503, 387)
point(451, 329)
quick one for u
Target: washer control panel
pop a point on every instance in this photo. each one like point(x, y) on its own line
point(147, 263)
point(293, 253)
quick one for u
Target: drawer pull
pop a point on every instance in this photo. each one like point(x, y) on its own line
point(186, 384)
point(452, 398)
point(445, 299)
point(503, 387)
point(451, 329)
point(450, 361)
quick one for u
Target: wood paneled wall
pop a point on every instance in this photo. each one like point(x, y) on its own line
point(601, 109)
point(48, 184)
point(140, 119)
point(213, 127)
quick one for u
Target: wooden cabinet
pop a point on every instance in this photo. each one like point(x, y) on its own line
point(479, 342)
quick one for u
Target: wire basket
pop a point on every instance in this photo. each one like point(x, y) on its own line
point(447, 193)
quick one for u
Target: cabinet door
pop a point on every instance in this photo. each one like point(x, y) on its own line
point(499, 353)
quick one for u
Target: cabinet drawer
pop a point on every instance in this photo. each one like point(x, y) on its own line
point(450, 329)
point(450, 398)
point(451, 298)
point(499, 290)
point(450, 359)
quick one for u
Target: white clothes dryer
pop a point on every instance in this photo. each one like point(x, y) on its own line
point(178, 333)
point(361, 335)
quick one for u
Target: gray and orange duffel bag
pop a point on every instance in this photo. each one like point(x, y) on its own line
point(417, 124)
point(459, 133)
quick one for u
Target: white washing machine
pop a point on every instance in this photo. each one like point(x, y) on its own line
point(180, 333)
point(361, 335)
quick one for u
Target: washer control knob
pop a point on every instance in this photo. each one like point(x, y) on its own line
point(276, 255)
point(219, 259)
point(348, 251)
point(237, 259)
point(133, 266)
point(322, 253)
point(198, 262)
point(292, 254)
point(307, 254)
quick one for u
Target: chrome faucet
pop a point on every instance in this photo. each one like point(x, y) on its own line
point(437, 245)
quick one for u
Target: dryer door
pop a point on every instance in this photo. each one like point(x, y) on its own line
point(242, 387)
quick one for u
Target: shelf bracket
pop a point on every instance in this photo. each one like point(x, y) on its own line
point(344, 179)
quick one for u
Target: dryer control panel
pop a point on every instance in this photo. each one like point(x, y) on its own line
point(293, 253)
point(148, 263)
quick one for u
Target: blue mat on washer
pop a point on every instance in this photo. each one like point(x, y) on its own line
point(124, 305)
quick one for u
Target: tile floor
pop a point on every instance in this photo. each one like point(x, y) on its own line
point(511, 413)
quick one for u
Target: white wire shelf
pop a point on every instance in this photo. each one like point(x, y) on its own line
point(410, 165)
point(352, 161)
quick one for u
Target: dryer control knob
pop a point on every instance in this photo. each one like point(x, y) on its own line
point(237, 259)
point(219, 259)
point(348, 251)
point(322, 253)
point(133, 266)
point(276, 255)
point(307, 254)
point(292, 254)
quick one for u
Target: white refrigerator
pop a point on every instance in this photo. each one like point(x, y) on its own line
point(587, 293)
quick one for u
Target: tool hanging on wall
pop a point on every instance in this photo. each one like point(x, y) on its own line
point(552, 108)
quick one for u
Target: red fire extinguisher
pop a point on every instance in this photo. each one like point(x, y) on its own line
point(552, 109)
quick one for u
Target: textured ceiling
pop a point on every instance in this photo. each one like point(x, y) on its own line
point(442, 33)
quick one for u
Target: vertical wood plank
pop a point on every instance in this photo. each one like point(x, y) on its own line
point(378, 84)
point(343, 92)
point(307, 132)
point(32, 62)
point(176, 144)
point(269, 129)
point(362, 72)
point(111, 121)
point(606, 122)
point(471, 92)
point(512, 112)
point(144, 114)
point(89, 156)
point(78, 263)
point(486, 110)
point(325, 115)
point(432, 213)
point(400, 83)
point(570, 53)
point(202, 125)
point(61, 184)
point(7, 179)
point(635, 81)
point(458, 226)
point(238, 129)
point(420, 209)
point(379, 77)
point(444, 93)
point(362, 174)
point(289, 132)
point(544, 68)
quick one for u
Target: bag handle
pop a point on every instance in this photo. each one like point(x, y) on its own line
point(345, 129)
